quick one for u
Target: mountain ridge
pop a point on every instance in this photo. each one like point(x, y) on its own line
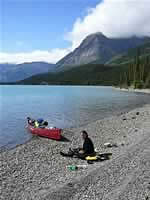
point(94, 49)
point(98, 47)
point(16, 72)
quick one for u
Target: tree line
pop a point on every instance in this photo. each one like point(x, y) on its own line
point(137, 75)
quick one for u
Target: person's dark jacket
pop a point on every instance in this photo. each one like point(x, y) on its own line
point(88, 146)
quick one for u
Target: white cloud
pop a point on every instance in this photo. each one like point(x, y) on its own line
point(114, 18)
point(47, 56)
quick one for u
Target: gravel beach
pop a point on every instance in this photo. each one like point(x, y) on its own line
point(36, 170)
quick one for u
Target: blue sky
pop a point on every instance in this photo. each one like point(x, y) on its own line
point(28, 25)
point(47, 30)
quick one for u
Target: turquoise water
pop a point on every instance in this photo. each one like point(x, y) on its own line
point(61, 106)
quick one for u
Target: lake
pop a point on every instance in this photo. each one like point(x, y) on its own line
point(61, 106)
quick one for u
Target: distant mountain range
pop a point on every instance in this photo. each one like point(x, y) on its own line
point(94, 49)
point(94, 73)
point(13, 73)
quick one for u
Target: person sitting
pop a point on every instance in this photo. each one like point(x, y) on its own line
point(86, 150)
point(88, 146)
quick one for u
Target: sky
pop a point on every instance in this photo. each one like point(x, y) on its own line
point(47, 30)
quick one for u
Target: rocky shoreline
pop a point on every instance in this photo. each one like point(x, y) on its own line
point(36, 170)
point(145, 91)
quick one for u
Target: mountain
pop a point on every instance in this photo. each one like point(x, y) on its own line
point(13, 73)
point(89, 74)
point(97, 48)
point(94, 73)
point(129, 57)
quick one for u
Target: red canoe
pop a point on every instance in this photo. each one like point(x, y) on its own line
point(52, 133)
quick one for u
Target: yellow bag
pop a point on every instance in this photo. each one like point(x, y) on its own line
point(91, 158)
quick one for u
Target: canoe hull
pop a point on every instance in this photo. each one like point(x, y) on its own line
point(52, 133)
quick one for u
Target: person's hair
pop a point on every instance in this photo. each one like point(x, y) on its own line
point(84, 132)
